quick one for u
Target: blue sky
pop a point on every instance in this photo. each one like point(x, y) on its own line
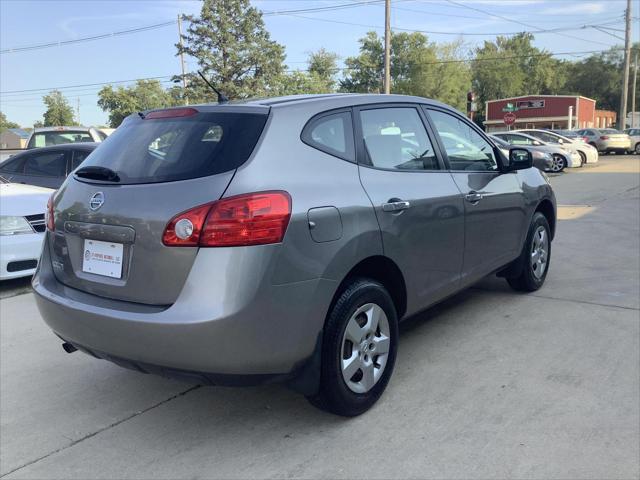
point(151, 53)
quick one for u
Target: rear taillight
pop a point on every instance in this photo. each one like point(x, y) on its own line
point(51, 222)
point(604, 137)
point(586, 139)
point(249, 219)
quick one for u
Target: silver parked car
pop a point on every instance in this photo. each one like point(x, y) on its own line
point(607, 140)
point(634, 136)
point(561, 158)
point(285, 239)
point(588, 153)
point(50, 136)
point(542, 159)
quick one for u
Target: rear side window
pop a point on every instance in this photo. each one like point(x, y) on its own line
point(169, 149)
point(50, 164)
point(78, 158)
point(332, 133)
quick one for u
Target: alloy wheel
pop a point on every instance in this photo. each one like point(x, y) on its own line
point(557, 164)
point(637, 149)
point(539, 252)
point(365, 348)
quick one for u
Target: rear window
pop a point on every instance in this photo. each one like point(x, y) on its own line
point(169, 149)
point(610, 131)
point(47, 139)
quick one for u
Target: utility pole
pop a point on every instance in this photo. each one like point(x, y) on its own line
point(184, 78)
point(78, 110)
point(387, 46)
point(625, 81)
point(634, 112)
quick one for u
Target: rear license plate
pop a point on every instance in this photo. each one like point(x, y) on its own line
point(102, 258)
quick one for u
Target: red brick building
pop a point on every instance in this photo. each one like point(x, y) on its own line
point(548, 111)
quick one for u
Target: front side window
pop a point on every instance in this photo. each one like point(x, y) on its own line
point(13, 165)
point(396, 138)
point(465, 148)
point(50, 164)
point(332, 134)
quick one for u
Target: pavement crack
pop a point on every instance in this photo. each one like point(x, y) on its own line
point(585, 302)
point(93, 434)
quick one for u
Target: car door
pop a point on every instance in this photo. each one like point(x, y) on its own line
point(46, 168)
point(495, 213)
point(417, 204)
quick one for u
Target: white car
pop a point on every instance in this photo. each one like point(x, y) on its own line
point(587, 153)
point(22, 227)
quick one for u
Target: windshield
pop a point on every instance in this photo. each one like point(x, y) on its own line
point(178, 148)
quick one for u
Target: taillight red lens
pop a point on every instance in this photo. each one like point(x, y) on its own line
point(196, 216)
point(586, 139)
point(51, 222)
point(171, 113)
point(604, 137)
point(249, 219)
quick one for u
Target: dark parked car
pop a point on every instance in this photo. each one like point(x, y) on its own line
point(285, 239)
point(47, 166)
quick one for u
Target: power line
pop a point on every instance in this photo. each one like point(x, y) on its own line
point(435, 32)
point(438, 62)
point(452, 2)
point(86, 39)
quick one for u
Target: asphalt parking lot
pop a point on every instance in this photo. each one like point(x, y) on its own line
point(490, 384)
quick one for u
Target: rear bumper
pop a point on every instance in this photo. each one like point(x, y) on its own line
point(611, 146)
point(16, 249)
point(213, 330)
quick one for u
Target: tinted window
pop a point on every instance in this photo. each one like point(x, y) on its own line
point(395, 138)
point(169, 149)
point(78, 158)
point(545, 137)
point(12, 165)
point(47, 139)
point(332, 134)
point(51, 164)
point(466, 148)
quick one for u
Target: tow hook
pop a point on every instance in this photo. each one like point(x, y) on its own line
point(68, 347)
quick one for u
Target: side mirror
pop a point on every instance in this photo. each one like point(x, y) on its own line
point(520, 159)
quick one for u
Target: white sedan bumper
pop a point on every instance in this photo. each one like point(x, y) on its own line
point(18, 254)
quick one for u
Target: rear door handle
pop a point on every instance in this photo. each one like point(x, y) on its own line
point(473, 197)
point(395, 206)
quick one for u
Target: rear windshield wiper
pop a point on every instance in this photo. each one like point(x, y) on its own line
point(98, 173)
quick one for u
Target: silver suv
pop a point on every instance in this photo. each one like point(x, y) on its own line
point(284, 239)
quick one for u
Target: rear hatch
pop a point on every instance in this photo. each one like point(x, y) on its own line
point(110, 215)
point(615, 137)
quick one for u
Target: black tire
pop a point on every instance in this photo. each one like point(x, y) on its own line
point(583, 158)
point(527, 281)
point(334, 395)
point(636, 150)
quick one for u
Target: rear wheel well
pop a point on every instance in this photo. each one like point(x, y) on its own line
point(546, 208)
point(386, 272)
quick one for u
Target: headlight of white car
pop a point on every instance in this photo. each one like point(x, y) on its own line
point(14, 225)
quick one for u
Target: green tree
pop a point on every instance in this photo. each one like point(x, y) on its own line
point(233, 49)
point(512, 66)
point(324, 66)
point(5, 124)
point(58, 112)
point(599, 76)
point(144, 95)
point(418, 67)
